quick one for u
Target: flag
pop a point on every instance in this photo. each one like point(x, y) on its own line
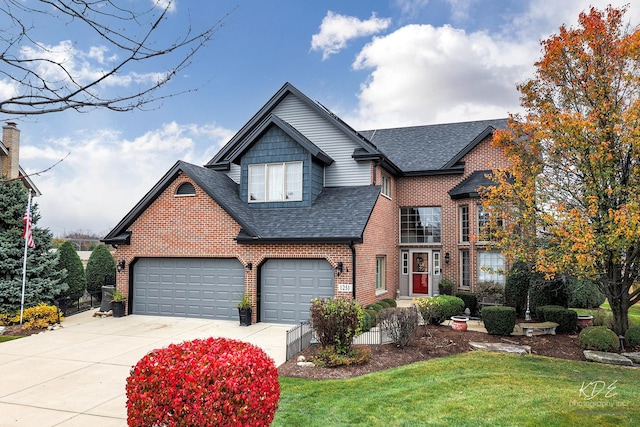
point(28, 225)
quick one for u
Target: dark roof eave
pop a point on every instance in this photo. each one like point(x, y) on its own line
point(434, 172)
point(470, 146)
point(471, 195)
point(296, 240)
point(121, 239)
point(382, 160)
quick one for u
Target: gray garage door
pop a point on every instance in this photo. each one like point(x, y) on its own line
point(288, 286)
point(188, 287)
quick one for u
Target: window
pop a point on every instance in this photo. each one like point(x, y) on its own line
point(275, 182)
point(386, 186)
point(436, 263)
point(484, 224)
point(381, 273)
point(405, 263)
point(491, 267)
point(464, 224)
point(186, 189)
point(465, 270)
point(420, 225)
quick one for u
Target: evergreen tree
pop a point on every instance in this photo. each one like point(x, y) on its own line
point(100, 265)
point(69, 260)
point(44, 280)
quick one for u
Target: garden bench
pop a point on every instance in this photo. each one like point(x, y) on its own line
point(544, 328)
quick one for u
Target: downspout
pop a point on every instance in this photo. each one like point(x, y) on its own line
point(353, 269)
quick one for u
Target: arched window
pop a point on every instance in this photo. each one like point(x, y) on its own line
point(186, 189)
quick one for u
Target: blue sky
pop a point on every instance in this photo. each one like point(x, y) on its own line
point(377, 64)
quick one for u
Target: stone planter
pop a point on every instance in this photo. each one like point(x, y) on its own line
point(459, 323)
point(585, 321)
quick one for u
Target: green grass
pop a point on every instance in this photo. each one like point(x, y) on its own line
point(4, 338)
point(470, 389)
point(634, 312)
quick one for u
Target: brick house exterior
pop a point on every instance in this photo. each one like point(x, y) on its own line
point(10, 158)
point(299, 205)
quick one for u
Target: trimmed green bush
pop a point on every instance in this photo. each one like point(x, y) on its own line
point(584, 294)
point(632, 337)
point(566, 319)
point(499, 320)
point(375, 307)
point(69, 260)
point(372, 314)
point(367, 321)
point(598, 338)
point(542, 309)
point(384, 304)
point(446, 286)
point(391, 302)
point(436, 310)
point(100, 265)
point(470, 300)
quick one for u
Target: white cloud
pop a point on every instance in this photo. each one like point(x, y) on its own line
point(337, 30)
point(106, 175)
point(170, 5)
point(410, 8)
point(460, 9)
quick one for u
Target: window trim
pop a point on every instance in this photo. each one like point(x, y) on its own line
point(499, 278)
point(484, 238)
point(437, 237)
point(185, 185)
point(462, 269)
point(381, 273)
point(462, 236)
point(385, 184)
point(265, 178)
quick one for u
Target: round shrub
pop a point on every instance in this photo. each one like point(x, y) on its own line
point(584, 294)
point(499, 320)
point(436, 310)
point(373, 315)
point(598, 338)
point(566, 319)
point(336, 322)
point(367, 321)
point(384, 304)
point(391, 302)
point(212, 382)
point(632, 337)
point(39, 317)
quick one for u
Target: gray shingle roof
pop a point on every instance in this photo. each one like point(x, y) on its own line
point(470, 185)
point(431, 147)
point(337, 215)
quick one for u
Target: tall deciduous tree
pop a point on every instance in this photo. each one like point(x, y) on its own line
point(572, 194)
point(100, 265)
point(125, 47)
point(69, 261)
point(43, 279)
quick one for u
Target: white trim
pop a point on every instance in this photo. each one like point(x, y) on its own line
point(265, 177)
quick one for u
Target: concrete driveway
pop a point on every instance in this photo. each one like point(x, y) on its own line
point(76, 375)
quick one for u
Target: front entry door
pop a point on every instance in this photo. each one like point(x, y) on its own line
point(420, 273)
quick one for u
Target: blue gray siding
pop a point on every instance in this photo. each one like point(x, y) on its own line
point(345, 171)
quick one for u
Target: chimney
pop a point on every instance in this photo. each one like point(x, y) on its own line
point(11, 140)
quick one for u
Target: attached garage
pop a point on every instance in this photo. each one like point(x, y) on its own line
point(188, 287)
point(288, 285)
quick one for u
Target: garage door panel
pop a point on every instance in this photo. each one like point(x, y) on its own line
point(188, 287)
point(287, 287)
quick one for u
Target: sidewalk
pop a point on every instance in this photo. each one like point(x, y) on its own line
point(76, 376)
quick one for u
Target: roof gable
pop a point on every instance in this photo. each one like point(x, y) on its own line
point(247, 134)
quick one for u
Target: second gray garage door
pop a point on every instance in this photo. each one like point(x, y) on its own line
point(188, 287)
point(288, 286)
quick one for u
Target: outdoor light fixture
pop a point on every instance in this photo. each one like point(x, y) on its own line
point(447, 258)
point(249, 266)
point(120, 266)
point(339, 268)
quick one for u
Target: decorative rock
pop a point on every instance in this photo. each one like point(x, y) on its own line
point(500, 348)
point(634, 357)
point(301, 359)
point(2, 329)
point(306, 364)
point(608, 358)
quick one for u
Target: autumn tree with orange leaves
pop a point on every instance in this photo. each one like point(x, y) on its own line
point(570, 201)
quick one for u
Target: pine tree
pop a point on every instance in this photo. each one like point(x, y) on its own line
point(44, 280)
point(100, 265)
point(69, 260)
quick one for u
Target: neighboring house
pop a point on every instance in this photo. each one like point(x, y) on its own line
point(299, 205)
point(10, 168)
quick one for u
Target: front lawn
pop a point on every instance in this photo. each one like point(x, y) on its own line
point(4, 338)
point(470, 389)
point(634, 312)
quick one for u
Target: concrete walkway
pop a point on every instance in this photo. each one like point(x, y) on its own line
point(76, 375)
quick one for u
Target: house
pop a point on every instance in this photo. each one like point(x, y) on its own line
point(299, 205)
point(10, 168)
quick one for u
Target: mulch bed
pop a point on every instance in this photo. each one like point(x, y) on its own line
point(432, 342)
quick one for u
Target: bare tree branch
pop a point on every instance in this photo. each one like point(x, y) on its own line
point(4, 181)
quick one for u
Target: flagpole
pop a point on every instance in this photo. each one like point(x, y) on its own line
point(24, 263)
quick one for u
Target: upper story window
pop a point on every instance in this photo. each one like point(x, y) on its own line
point(186, 189)
point(275, 182)
point(420, 225)
point(386, 185)
point(484, 224)
point(464, 224)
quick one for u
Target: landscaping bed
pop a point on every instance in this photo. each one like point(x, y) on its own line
point(431, 342)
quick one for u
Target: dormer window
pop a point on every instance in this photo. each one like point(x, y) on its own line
point(275, 182)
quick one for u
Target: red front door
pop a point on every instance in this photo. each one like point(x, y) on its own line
point(420, 273)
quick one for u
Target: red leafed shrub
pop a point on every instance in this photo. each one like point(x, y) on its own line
point(212, 382)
